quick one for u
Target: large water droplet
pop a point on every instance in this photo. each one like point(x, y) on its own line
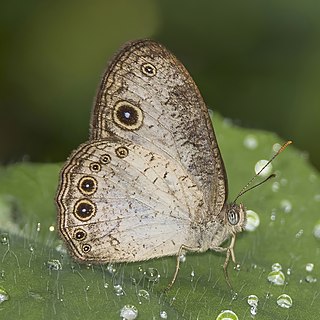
point(250, 142)
point(266, 171)
point(252, 221)
point(276, 278)
point(316, 230)
point(4, 296)
point(276, 266)
point(284, 301)
point(129, 312)
point(253, 300)
point(163, 315)
point(286, 205)
point(227, 315)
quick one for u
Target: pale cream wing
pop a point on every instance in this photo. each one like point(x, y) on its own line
point(119, 201)
point(148, 97)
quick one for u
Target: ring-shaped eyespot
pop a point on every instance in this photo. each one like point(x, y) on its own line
point(84, 210)
point(105, 159)
point(233, 217)
point(88, 185)
point(95, 166)
point(148, 69)
point(86, 248)
point(122, 152)
point(79, 234)
point(127, 116)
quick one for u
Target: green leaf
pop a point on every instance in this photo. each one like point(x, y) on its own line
point(42, 281)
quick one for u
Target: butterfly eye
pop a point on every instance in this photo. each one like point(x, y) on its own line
point(233, 217)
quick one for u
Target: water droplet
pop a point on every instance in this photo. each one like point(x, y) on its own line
point(38, 226)
point(316, 230)
point(163, 315)
point(299, 234)
point(51, 228)
point(237, 267)
point(286, 206)
point(284, 301)
point(289, 271)
point(129, 312)
point(266, 171)
point(152, 275)
point(310, 279)
point(276, 267)
point(234, 295)
point(54, 265)
point(227, 315)
point(4, 296)
point(276, 278)
point(252, 221)
point(273, 215)
point(144, 294)
point(4, 238)
point(35, 295)
point(309, 267)
point(106, 285)
point(317, 197)
point(253, 311)
point(253, 300)
point(275, 186)
point(250, 142)
point(111, 268)
point(182, 258)
point(283, 182)
point(31, 247)
point(61, 249)
point(118, 290)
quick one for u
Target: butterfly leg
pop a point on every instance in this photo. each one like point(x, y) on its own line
point(229, 254)
point(182, 248)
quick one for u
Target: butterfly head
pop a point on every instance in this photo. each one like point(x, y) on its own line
point(235, 217)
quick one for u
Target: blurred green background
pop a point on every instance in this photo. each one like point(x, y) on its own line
point(255, 62)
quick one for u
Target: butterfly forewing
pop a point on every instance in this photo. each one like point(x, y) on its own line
point(148, 97)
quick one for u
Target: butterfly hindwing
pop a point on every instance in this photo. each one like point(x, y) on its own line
point(122, 202)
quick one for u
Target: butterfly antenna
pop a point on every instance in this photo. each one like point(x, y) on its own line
point(245, 188)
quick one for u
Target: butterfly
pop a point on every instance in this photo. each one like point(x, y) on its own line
point(150, 182)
